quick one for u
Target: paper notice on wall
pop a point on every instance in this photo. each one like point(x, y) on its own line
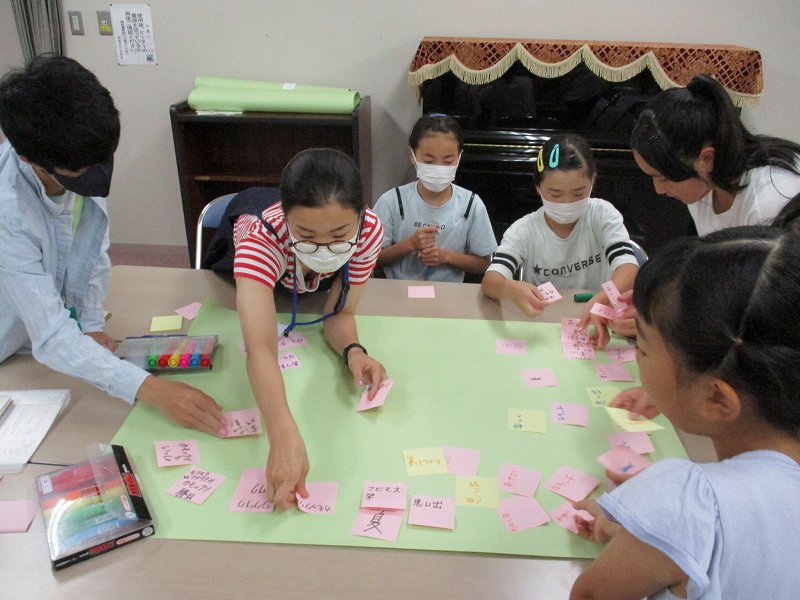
point(133, 34)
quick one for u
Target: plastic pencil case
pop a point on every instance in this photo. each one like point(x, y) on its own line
point(172, 353)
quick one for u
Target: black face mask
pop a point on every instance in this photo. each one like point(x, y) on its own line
point(96, 181)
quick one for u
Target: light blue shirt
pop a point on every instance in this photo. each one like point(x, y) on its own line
point(43, 269)
point(470, 235)
point(731, 526)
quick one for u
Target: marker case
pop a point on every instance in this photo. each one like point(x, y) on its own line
point(169, 353)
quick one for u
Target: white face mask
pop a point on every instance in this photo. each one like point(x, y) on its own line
point(436, 178)
point(323, 260)
point(565, 213)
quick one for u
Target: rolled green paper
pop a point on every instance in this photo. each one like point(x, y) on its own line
point(224, 82)
point(234, 99)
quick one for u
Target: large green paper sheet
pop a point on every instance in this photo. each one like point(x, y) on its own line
point(452, 389)
point(272, 97)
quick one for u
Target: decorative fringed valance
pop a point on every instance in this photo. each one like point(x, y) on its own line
point(481, 60)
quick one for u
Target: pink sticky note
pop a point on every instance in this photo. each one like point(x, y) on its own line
point(638, 441)
point(549, 292)
point(613, 372)
point(251, 493)
point(173, 453)
point(385, 495)
point(384, 387)
point(241, 422)
point(292, 341)
point(570, 333)
point(288, 361)
point(189, 311)
point(196, 485)
point(378, 524)
point(421, 291)
point(432, 511)
point(578, 351)
point(503, 346)
point(613, 296)
point(569, 414)
point(565, 514)
point(517, 479)
point(601, 310)
point(321, 498)
point(16, 516)
point(242, 348)
point(536, 378)
point(621, 354)
point(519, 513)
point(571, 483)
point(623, 460)
point(461, 461)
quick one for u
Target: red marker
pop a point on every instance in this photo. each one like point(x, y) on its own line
point(163, 360)
point(205, 353)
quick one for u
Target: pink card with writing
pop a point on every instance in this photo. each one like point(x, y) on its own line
point(569, 414)
point(16, 516)
point(292, 341)
point(378, 524)
point(565, 514)
point(519, 513)
point(251, 493)
point(421, 291)
point(517, 479)
point(288, 360)
point(238, 423)
point(601, 310)
point(503, 346)
point(638, 441)
point(189, 311)
point(196, 485)
point(613, 372)
point(613, 296)
point(571, 334)
point(549, 292)
point(182, 452)
point(384, 495)
point(384, 387)
point(621, 354)
point(461, 461)
point(432, 511)
point(572, 484)
point(578, 351)
point(321, 498)
point(536, 378)
point(623, 460)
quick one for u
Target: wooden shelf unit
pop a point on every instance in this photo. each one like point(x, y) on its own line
point(219, 154)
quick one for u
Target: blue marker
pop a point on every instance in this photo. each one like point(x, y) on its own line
point(99, 529)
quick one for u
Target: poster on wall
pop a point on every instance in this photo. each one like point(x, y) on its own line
point(133, 34)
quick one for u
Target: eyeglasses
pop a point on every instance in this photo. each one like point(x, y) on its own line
point(309, 247)
point(335, 247)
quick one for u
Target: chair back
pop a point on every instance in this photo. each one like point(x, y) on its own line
point(210, 217)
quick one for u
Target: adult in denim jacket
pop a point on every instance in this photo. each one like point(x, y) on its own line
point(62, 129)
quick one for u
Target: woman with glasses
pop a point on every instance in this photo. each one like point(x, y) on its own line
point(696, 149)
point(320, 236)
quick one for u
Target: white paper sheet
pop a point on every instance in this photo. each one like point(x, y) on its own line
point(26, 423)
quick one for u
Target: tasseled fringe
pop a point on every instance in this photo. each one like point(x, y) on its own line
point(550, 70)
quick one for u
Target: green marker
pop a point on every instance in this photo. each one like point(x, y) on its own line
point(584, 297)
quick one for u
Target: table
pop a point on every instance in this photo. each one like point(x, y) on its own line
point(174, 568)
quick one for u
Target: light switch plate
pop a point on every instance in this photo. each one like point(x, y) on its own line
point(104, 22)
point(75, 22)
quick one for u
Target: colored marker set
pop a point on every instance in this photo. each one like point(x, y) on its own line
point(169, 352)
point(92, 507)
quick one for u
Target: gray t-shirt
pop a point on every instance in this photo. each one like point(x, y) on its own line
point(468, 235)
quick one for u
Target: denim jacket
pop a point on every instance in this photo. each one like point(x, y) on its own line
point(44, 269)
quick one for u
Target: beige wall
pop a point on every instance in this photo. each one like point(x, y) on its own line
point(368, 46)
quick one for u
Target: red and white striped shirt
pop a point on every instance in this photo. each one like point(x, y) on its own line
point(267, 257)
